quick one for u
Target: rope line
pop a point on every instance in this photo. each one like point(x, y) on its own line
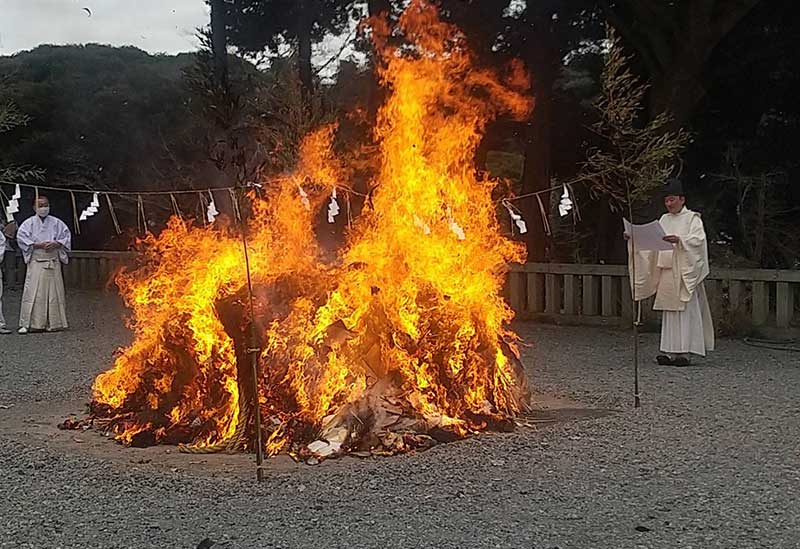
point(232, 189)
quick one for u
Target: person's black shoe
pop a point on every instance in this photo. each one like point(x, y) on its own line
point(663, 360)
point(681, 361)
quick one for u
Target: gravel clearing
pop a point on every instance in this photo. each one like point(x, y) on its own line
point(712, 459)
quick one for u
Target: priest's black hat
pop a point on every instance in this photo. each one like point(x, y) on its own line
point(673, 187)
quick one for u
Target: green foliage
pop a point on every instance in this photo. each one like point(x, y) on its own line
point(99, 116)
point(118, 118)
point(11, 118)
point(268, 28)
point(766, 219)
point(253, 126)
point(505, 165)
point(258, 25)
point(639, 154)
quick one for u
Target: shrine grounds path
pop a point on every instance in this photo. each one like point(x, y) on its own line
point(711, 460)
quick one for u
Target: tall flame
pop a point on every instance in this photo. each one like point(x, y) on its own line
point(407, 322)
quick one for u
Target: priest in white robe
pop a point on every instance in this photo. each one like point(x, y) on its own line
point(676, 278)
point(45, 242)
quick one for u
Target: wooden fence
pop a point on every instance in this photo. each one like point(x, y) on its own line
point(600, 294)
point(86, 269)
point(561, 293)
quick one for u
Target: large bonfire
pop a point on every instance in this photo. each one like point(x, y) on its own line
point(399, 341)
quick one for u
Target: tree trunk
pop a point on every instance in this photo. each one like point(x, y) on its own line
point(536, 176)
point(611, 249)
point(678, 91)
point(304, 22)
point(544, 62)
point(675, 44)
point(376, 8)
point(219, 43)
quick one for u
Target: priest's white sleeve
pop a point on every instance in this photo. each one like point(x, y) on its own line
point(643, 273)
point(63, 237)
point(25, 240)
point(692, 257)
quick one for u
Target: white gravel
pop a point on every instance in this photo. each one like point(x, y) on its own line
point(712, 459)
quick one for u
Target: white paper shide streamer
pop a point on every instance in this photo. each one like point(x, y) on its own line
point(566, 203)
point(13, 204)
point(333, 208)
point(304, 197)
point(421, 224)
point(92, 208)
point(516, 218)
point(211, 209)
point(455, 228)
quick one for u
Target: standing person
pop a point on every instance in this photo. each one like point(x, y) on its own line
point(3, 328)
point(676, 278)
point(45, 242)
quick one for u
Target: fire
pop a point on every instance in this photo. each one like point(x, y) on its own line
point(403, 334)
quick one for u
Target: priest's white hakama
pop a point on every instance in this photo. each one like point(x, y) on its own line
point(43, 297)
point(676, 278)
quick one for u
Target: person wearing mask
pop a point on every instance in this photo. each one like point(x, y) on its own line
point(45, 243)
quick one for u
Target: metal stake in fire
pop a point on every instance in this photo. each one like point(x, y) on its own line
point(253, 350)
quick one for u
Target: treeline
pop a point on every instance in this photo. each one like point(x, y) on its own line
point(729, 73)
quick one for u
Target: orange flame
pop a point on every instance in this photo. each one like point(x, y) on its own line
point(409, 318)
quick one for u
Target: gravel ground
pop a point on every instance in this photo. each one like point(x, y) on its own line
point(711, 460)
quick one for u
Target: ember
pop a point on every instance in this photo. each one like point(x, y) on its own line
point(399, 343)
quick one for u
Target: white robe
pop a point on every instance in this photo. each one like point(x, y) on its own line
point(43, 297)
point(676, 278)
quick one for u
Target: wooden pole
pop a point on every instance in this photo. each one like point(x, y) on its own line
point(304, 27)
point(219, 46)
point(253, 351)
point(636, 316)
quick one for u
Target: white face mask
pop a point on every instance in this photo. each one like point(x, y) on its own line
point(43, 211)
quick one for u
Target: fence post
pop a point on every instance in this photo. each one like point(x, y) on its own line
point(535, 293)
point(552, 295)
point(735, 294)
point(606, 288)
point(784, 304)
point(760, 303)
point(589, 295)
point(570, 295)
point(714, 294)
point(627, 301)
point(516, 291)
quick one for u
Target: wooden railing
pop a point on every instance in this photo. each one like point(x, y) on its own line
point(561, 293)
point(86, 270)
point(600, 294)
